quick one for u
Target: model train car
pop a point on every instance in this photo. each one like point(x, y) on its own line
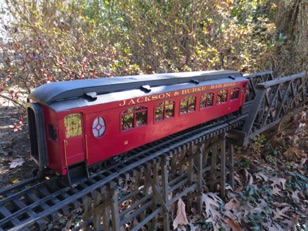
point(76, 124)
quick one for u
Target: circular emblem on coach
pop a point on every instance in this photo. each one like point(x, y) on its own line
point(98, 127)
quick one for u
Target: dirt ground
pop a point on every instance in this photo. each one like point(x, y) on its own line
point(15, 162)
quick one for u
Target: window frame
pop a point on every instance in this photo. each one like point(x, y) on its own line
point(134, 113)
point(222, 96)
point(162, 107)
point(187, 101)
point(236, 96)
point(205, 104)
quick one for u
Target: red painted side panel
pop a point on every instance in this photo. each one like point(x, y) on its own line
point(114, 141)
point(55, 154)
point(74, 149)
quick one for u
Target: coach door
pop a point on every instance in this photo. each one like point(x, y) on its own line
point(74, 143)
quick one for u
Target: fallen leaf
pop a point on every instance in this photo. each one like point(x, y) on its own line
point(276, 191)
point(234, 225)
point(261, 176)
point(290, 223)
point(181, 218)
point(277, 204)
point(273, 226)
point(193, 228)
point(232, 204)
point(294, 154)
point(135, 222)
point(249, 177)
point(303, 161)
point(17, 162)
point(278, 181)
point(212, 204)
point(214, 222)
point(280, 213)
point(303, 117)
point(295, 196)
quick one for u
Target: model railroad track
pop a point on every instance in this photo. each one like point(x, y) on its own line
point(30, 202)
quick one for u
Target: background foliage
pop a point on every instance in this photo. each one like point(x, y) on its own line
point(61, 40)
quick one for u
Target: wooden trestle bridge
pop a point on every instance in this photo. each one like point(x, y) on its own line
point(178, 166)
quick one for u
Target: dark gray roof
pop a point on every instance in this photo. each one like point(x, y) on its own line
point(59, 91)
point(121, 96)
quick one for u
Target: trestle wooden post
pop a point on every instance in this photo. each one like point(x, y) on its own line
point(222, 165)
point(190, 171)
point(115, 215)
point(199, 166)
point(165, 193)
point(231, 163)
point(97, 200)
point(106, 210)
point(213, 168)
point(156, 178)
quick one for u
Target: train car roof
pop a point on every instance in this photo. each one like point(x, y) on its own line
point(50, 93)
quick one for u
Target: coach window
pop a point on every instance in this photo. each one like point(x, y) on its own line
point(188, 104)
point(52, 132)
point(235, 93)
point(128, 119)
point(98, 127)
point(134, 117)
point(222, 96)
point(206, 100)
point(164, 110)
point(141, 114)
point(245, 89)
point(73, 125)
point(210, 99)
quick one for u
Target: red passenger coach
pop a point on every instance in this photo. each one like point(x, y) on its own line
point(76, 124)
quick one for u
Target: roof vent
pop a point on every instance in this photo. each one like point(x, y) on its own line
point(145, 88)
point(231, 77)
point(91, 95)
point(194, 81)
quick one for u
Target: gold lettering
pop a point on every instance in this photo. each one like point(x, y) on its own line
point(123, 103)
point(186, 91)
point(140, 100)
point(176, 93)
point(161, 96)
point(131, 101)
point(154, 97)
point(147, 98)
point(194, 90)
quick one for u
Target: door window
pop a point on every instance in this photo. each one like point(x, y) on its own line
point(73, 125)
